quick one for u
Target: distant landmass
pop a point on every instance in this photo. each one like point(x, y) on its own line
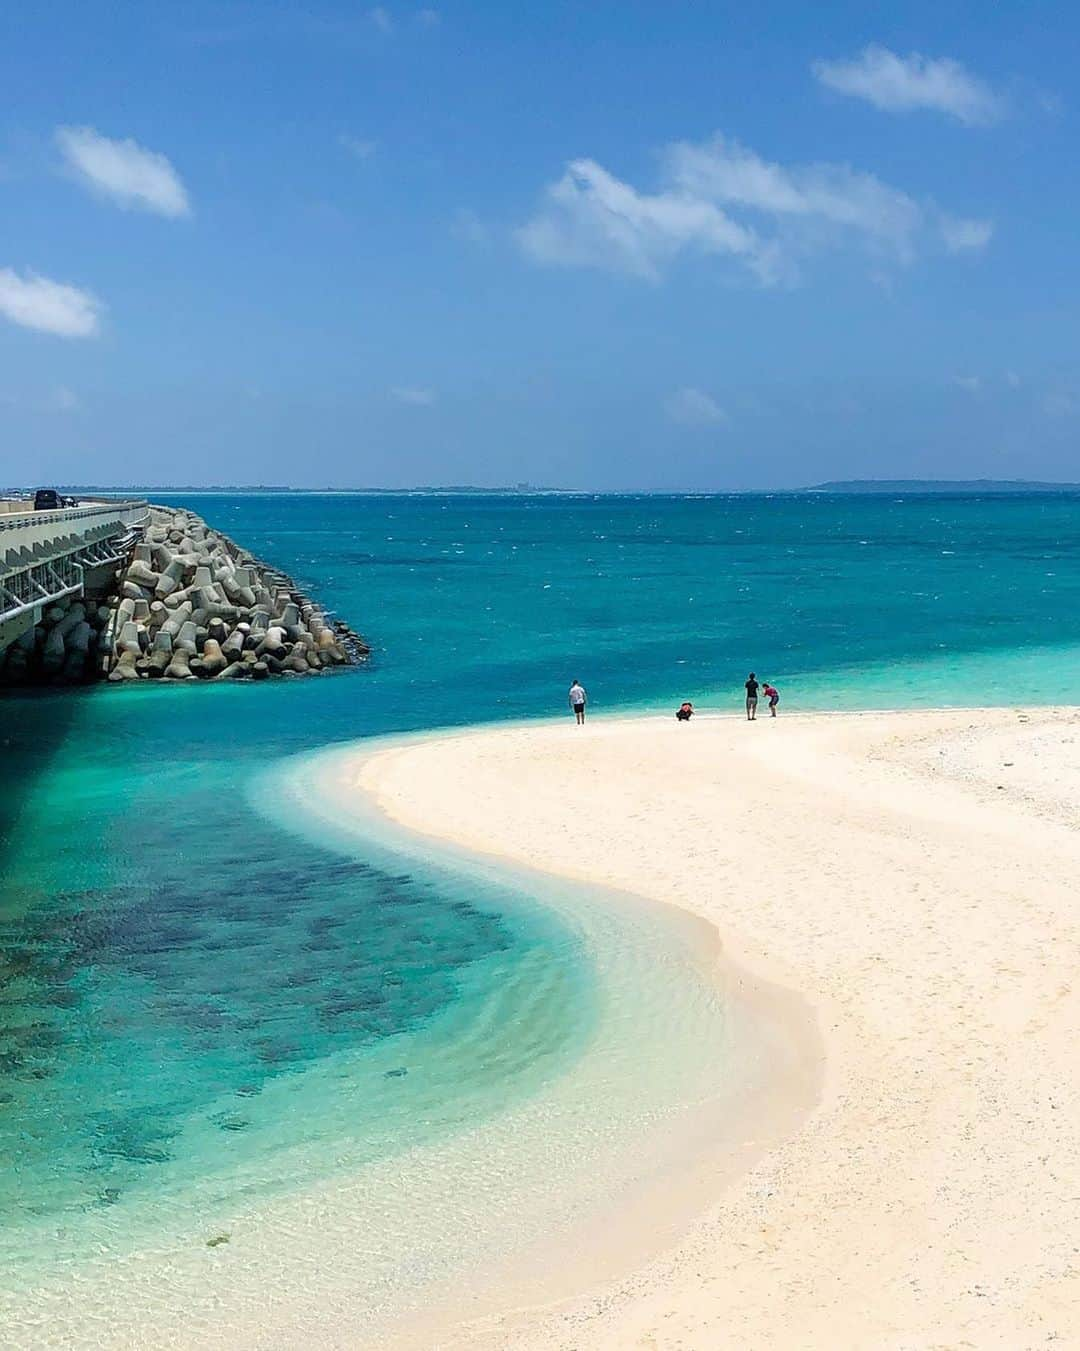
point(524, 489)
point(941, 485)
point(863, 486)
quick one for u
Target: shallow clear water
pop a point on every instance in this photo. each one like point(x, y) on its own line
point(201, 1004)
point(192, 965)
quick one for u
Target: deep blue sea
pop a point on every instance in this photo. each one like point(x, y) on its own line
point(182, 976)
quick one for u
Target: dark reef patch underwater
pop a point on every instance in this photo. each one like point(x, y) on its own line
point(127, 1008)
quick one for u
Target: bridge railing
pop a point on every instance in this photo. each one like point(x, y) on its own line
point(15, 520)
point(40, 563)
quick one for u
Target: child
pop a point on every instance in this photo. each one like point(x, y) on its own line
point(685, 711)
point(773, 696)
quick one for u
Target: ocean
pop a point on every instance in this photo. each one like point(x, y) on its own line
point(211, 1005)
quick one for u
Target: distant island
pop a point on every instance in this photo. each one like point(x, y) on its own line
point(941, 485)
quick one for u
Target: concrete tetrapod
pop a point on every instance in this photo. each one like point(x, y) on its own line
point(216, 606)
point(185, 640)
point(213, 659)
point(179, 668)
point(125, 667)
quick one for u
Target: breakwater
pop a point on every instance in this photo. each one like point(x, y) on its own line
point(187, 603)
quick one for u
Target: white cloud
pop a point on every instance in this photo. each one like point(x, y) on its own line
point(414, 395)
point(900, 84)
point(380, 17)
point(694, 408)
point(49, 306)
point(720, 198)
point(971, 384)
point(831, 194)
point(65, 400)
point(428, 18)
point(357, 147)
point(123, 171)
point(960, 235)
point(591, 218)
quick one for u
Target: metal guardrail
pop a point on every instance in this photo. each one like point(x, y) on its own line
point(12, 520)
point(30, 579)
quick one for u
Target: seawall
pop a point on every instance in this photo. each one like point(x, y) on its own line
point(184, 602)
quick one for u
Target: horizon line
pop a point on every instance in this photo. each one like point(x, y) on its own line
point(838, 486)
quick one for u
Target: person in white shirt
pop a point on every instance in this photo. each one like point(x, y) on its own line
point(578, 700)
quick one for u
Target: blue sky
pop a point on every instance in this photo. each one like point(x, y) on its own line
point(681, 246)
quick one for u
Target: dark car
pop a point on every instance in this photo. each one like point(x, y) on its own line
point(47, 499)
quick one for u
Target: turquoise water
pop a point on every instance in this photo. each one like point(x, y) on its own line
point(199, 1001)
point(486, 608)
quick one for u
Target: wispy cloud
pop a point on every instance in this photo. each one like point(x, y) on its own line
point(1050, 102)
point(720, 198)
point(357, 147)
point(901, 84)
point(386, 22)
point(415, 395)
point(694, 408)
point(591, 218)
point(49, 306)
point(993, 384)
point(1062, 402)
point(830, 195)
point(962, 235)
point(123, 171)
point(65, 400)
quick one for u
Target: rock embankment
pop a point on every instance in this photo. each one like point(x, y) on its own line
point(190, 604)
point(63, 649)
point(193, 605)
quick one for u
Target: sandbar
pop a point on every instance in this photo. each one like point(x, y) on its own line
point(911, 876)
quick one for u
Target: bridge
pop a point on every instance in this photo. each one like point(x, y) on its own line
point(46, 556)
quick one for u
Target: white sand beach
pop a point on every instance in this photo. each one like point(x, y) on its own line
point(912, 876)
